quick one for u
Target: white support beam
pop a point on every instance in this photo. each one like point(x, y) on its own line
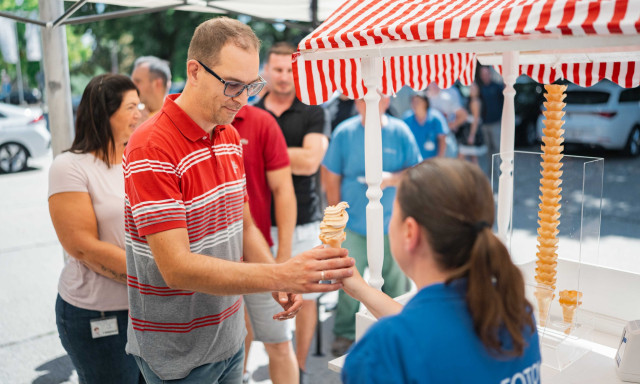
point(555, 57)
point(492, 45)
point(507, 138)
point(372, 78)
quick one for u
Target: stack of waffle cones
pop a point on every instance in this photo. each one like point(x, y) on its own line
point(549, 213)
point(569, 300)
point(332, 227)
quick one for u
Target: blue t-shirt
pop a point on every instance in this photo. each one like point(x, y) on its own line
point(426, 134)
point(345, 157)
point(433, 341)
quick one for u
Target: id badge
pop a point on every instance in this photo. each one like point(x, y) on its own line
point(104, 326)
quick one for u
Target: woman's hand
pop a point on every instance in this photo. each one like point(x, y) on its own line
point(355, 285)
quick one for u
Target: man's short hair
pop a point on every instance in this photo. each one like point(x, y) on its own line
point(158, 68)
point(213, 34)
point(281, 48)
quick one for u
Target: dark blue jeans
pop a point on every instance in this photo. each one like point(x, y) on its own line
point(223, 372)
point(101, 360)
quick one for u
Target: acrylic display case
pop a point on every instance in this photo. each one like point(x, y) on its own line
point(579, 234)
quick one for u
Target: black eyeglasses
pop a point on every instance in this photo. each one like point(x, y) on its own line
point(234, 88)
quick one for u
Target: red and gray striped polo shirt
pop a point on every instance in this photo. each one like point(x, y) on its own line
point(177, 176)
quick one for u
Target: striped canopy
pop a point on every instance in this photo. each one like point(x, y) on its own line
point(370, 25)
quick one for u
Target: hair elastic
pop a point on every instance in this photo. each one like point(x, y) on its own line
point(480, 225)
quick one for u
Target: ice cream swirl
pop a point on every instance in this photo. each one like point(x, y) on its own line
point(334, 222)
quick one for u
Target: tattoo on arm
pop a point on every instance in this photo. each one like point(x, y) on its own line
point(120, 277)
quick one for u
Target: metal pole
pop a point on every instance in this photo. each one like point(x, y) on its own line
point(318, 329)
point(68, 13)
point(11, 16)
point(56, 75)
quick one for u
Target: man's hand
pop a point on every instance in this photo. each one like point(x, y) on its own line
point(291, 302)
point(302, 273)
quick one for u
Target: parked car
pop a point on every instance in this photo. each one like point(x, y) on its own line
point(23, 134)
point(604, 115)
point(29, 96)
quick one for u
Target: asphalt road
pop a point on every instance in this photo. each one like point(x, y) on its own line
point(31, 260)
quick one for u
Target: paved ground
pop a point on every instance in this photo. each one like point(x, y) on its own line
point(31, 260)
point(30, 263)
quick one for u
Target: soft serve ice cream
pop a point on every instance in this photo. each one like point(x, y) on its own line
point(333, 224)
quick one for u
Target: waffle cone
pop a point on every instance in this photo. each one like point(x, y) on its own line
point(549, 207)
point(544, 298)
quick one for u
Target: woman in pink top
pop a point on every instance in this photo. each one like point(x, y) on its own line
point(86, 203)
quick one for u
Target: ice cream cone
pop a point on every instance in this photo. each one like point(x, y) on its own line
point(332, 226)
point(334, 243)
point(544, 296)
point(570, 301)
point(549, 213)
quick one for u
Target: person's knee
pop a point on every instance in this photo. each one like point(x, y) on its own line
point(278, 350)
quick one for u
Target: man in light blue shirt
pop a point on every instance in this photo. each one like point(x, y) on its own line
point(344, 181)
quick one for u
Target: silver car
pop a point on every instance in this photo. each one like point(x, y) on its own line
point(23, 134)
point(603, 115)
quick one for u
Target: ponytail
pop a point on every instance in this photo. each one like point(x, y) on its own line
point(459, 195)
point(495, 293)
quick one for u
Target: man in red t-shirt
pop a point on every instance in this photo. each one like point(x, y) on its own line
point(268, 172)
point(189, 226)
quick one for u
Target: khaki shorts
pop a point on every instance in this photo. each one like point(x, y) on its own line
point(261, 308)
point(305, 237)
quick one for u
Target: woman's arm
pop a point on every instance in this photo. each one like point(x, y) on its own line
point(377, 302)
point(76, 225)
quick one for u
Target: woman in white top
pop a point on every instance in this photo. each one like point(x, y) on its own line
point(86, 203)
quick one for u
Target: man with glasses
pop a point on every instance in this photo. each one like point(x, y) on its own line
point(188, 224)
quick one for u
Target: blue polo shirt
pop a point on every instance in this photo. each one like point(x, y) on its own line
point(426, 134)
point(345, 157)
point(433, 341)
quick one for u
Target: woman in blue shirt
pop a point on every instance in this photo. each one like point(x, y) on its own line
point(469, 321)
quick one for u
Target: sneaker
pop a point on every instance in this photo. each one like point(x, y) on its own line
point(340, 346)
point(245, 378)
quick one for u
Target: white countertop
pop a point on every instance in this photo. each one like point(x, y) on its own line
point(595, 367)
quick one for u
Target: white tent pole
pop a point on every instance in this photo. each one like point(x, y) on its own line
point(510, 71)
point(56, 75)
point(372, 77)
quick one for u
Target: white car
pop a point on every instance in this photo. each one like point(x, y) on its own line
point(603, 115)
point(23, 134)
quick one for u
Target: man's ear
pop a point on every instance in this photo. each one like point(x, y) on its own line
point(411, 233)
point(157, 83)
point(192, 71)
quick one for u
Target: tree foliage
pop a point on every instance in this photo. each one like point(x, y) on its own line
point(113, 45)
point(163, 34)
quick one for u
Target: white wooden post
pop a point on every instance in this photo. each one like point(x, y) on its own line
point(372, 76)
point(507, 138)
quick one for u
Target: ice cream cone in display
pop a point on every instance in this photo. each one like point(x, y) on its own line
point(544, 298)
point(549, 207)
point(569, 301)
point(333, 224)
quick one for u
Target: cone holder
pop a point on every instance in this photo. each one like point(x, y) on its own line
point(582, 180)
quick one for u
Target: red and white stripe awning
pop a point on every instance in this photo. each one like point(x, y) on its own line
point(441, 25)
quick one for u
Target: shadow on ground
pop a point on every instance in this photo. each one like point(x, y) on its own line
point(56, 371)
